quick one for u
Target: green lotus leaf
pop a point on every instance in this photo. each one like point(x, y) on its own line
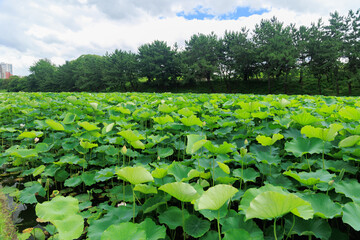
point(28, 195)
point(251, 193)
point(350, 188)
point(153, 231)
point(301, 146)
point(137, 144)
point(88, 126)
point(186, 112)
point(351, 213)
point(145, 189)
point(224, 167)
point(54, 125)
point(165, 152)
point(31, 134)
point(269, 205)
point(191, 121)
point(42, 147)
point(40, 169)
point(73, 182)
point(159, 173)
point(70, 228)
point(215, 197)
point(113, 216)
point(172, 217)
point(267, 141)
point(196, 227)
point(323, 206)
point(124, 231)
point(311, 227)
point(107, 128)
point(251, 106)
point(131, 136)
point(222, 149)
point(157, 138)
point(311, 178)
point(350, 113)
point(88, 145)
point(349, 141)
point(247, 175)
point(135, 175)
point(234, 234)
point(181, 191)
point(305, 118)
point(69, 118)
point(24, 153)
point(194, 143)
point(325, 134)
point(178, 170)
point(166, 108)
point(163, 120)
point(59, 208)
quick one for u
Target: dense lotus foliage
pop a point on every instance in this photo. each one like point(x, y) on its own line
point(183, 166)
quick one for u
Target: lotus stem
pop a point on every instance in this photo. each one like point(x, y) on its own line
point(275, 229)
point(218, 224)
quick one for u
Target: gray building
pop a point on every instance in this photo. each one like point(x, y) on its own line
point(6, 70)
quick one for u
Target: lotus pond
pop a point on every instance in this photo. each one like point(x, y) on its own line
point(182, 166)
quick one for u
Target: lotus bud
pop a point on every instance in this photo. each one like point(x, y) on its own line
point(243, 151)
point(204, 123)
point(158, 158)
point(22, 125)
point(331, 182)
point(124, 150)
point(36, 139)
point(246, 142)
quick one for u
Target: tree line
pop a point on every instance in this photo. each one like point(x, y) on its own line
point(327, 55)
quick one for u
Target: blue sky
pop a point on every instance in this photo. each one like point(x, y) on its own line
point(201, 13)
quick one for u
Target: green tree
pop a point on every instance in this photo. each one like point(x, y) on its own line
point(16, 84)
point(88, 73)
point(157, 62)
point(352, 49)
point(238, 55)
point(65, 77)
point(41, 77)
point(276, 49)
point(201, 57)
point(121, 70)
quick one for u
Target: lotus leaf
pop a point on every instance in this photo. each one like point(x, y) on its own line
point(181, 191)
point(215, 197)
point(135, 175)
point(270, 205)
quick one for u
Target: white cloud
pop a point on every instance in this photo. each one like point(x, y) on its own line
point(65, 29)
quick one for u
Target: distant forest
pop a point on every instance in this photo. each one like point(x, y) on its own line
point(323, 58)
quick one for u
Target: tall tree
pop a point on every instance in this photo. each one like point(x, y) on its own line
point(238, 54)
point(157, 62)
point(42, 76)
point(65, 77)
point(202, 57)
point(276, 49)
point(121, 70)
point(88, 73)
point(352, 49)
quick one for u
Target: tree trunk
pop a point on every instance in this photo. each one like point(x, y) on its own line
point(208, 78)
point(286, 83)
point(301, 76)
point(319, 84)
point(349, 88)
point(269, 84)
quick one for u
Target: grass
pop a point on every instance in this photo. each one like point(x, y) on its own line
point(7, 229)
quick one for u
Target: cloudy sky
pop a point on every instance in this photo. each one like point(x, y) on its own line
point(65, 29)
